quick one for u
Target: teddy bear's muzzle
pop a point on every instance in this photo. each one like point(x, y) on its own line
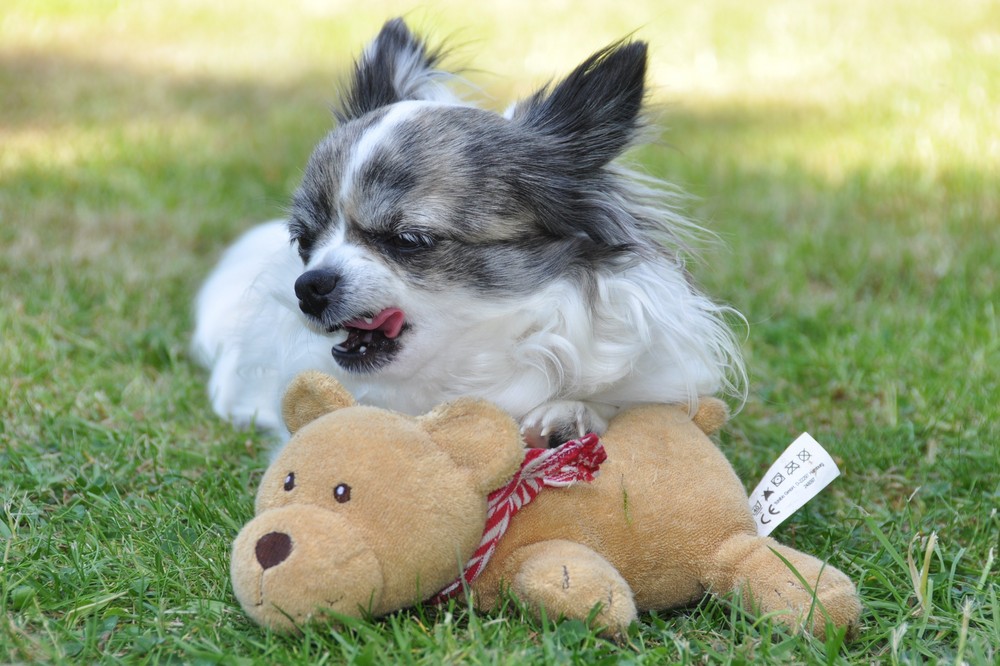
point(296, 562)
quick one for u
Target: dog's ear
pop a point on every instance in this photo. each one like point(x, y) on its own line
point(395, 66)
point(594, 112)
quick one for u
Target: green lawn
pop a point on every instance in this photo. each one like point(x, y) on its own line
point(847, 152)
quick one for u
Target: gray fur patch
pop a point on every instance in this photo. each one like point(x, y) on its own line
point(455, 196)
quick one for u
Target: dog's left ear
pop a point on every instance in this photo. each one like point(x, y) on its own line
point(396, 66)
point(595, 110)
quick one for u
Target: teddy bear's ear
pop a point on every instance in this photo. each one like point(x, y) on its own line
point(311, 395)
point(712, 414)
point(480, 437)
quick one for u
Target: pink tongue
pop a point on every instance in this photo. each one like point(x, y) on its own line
point(390, 321)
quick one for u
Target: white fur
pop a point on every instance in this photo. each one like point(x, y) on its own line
point(649, 339)
point(373, 138)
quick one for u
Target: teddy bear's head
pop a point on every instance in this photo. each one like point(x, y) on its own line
point(356, 487)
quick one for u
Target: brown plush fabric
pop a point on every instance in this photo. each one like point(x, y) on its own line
point(366, 510)
point(668, 513)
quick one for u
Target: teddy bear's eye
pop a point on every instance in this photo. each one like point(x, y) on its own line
point(290, 481)
point(342, 493)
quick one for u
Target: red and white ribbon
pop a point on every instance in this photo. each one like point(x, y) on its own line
point(576, 460)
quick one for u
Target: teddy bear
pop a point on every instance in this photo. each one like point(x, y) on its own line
point(366, 511)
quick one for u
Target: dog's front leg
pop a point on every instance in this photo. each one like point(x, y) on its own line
point(552, 423)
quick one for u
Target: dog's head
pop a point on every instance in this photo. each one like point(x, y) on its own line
point(421, 218)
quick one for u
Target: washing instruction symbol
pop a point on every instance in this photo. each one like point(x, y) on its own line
point(799, 473)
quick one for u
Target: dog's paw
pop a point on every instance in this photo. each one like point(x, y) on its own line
point(553, 423)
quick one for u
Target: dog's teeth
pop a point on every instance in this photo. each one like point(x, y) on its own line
point(339, 336)
point(369, 320)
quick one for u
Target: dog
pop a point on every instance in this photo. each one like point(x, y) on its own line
point(436, 249)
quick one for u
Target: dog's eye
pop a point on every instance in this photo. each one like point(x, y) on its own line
point(408, 241)
point(342, 493)
point(302, 238)
point(305, 252)
point(290, 481)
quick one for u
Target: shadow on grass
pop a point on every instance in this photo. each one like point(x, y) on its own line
point(124, 183)
point(115, 150)
point(48, 91)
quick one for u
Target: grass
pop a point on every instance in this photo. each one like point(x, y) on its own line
point(846, 151)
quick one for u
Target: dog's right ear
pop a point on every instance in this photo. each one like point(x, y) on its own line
point(396, 66)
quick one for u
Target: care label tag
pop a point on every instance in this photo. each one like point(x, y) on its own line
point(799, 473)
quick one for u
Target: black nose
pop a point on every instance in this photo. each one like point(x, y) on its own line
point(314, 289)
point(273, 548)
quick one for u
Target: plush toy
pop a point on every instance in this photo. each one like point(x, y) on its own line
point(369, 511)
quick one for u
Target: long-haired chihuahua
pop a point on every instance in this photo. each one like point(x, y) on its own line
point(436, 249)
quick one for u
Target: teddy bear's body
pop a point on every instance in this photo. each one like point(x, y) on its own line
point(370, 511)
point(664, 522)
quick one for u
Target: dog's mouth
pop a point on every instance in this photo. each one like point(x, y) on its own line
point(368, 342)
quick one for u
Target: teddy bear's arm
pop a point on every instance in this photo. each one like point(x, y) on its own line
point(568, 580)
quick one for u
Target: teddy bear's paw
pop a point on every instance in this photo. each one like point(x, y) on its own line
point(840, 603)
point(794, 588)
point(553, 423)
point(569, 580)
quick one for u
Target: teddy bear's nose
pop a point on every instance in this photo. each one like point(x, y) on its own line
point(273, 548)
